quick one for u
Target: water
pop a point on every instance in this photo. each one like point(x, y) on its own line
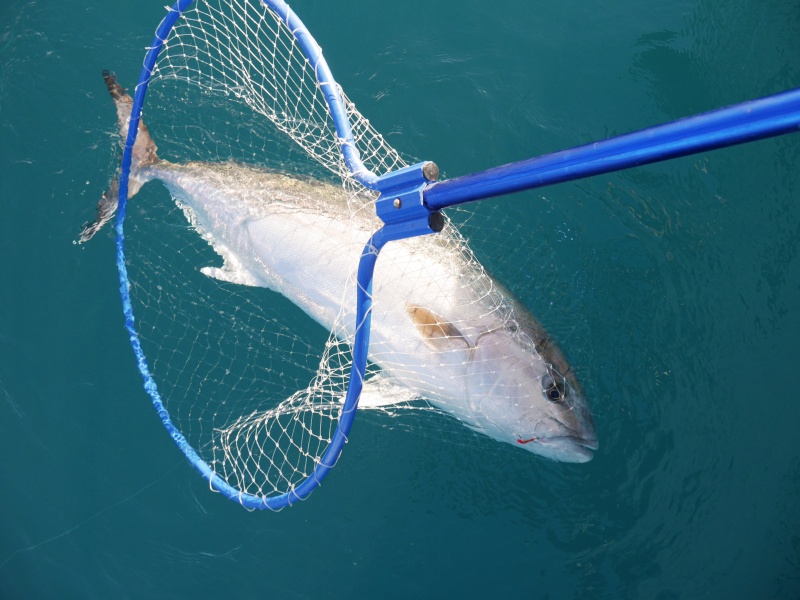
point(673, 288)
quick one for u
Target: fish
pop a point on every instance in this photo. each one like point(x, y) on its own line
point(443, 330)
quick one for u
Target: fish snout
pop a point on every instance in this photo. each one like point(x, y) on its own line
point(556, 440)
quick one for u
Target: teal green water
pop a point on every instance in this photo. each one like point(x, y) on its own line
point(674, 289)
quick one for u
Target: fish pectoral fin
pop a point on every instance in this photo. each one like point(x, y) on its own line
point(382, 390)
point(439, 334)
point(229, 275)
point(232, 269)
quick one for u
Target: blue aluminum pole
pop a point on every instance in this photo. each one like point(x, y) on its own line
point(745, 122)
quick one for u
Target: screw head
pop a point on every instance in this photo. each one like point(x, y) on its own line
point(430, 171)
point(397, 203)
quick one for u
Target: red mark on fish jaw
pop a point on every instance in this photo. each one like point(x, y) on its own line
point(527, 441)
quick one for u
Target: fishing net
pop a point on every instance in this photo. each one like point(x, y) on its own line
point(251, 381)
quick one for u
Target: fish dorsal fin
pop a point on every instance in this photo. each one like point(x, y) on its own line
point(439, 334)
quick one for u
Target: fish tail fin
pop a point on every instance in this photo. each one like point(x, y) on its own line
point(105, 210)
point(143, 155)
point(144, 150)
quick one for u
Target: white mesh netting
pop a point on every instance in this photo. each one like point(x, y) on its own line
point(253, 383)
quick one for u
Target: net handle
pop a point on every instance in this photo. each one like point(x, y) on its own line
point(745, 122)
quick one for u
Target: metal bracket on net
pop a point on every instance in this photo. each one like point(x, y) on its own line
point(401, 205)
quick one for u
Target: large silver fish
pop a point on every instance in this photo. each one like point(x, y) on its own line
point(442, 329)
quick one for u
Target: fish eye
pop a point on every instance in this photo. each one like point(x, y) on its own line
point(553, 390)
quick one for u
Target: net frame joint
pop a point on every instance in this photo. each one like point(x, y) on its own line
point(401, 204)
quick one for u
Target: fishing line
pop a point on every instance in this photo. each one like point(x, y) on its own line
point(91, 518)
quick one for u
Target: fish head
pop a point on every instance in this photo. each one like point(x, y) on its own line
point(527, 395)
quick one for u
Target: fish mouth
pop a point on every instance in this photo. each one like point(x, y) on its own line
point(566, 448)
point(588, 443)
point(574, 448)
